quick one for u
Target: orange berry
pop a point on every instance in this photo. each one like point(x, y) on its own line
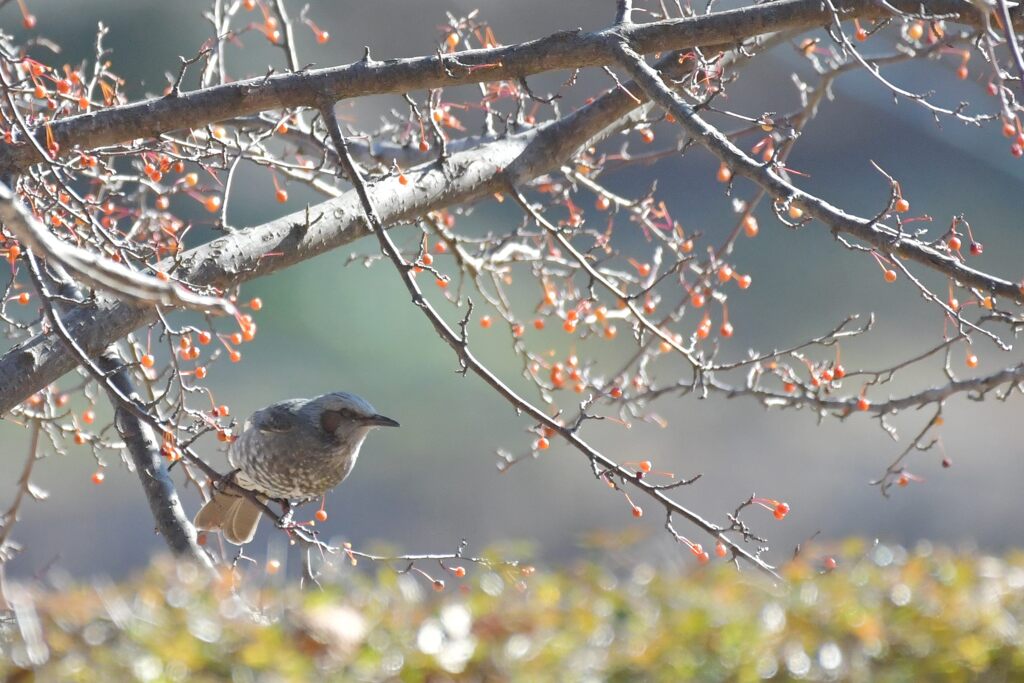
point(538, 323)
point(273, 566)
point(645, 466)
point(459, 572)
point(281, 195)
point(424, 147)
point(615, 392)
point(750, 226)
point(638, 511)
point(830, 563)
point(724, 174)
point(212, 203)
point(427, 260)
point(235, 356)
point(517, 330)
point(256, 303)
point(321, 515)
point(569, 326)
point(192, 179)
point(438, 585)
point(201, 372)
point(402, 179)
point(610, 331)
point(452, 40)
point(440, 282)
point(79, 438)
point(726, 329)
point(962, 72)
point(744, 281)
point(904, 480)
point(603, 203)
point(88, 417)
point(542, 444)
point(976, 249)
point(781, 510)
point(915, 31)
point(647, 135)
point(971, 361)
point(901, 205)
point(485, 322)
point(24, 298)
point(789, 387)
point(889, 275)
point(863, 403)
point(98, 477)
point(147, 360)
point(697, 299)
point(725, 273)
point(205, 337)
point(795, 212)
point(162, 202)
point(954, 243)
point(720, 549)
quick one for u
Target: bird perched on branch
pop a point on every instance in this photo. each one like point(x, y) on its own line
point(292, 451)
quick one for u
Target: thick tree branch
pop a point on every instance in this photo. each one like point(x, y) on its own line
point(564, 50)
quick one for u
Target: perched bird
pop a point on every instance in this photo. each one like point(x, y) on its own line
point(292, 451)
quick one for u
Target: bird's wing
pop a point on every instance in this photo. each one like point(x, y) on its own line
point(279, 417)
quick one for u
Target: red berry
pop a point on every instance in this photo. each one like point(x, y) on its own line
point(459, 572)
point(954, 243)
point(976, 248)
point(781, 510)
point(889, 275)
point(321, 515)
point(863, 403)
point(830, 563)
point(750, 226)
point(720, 549)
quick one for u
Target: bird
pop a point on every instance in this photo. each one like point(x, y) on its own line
point(293, 451)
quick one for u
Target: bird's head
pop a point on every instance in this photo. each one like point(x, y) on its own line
point(342, 413)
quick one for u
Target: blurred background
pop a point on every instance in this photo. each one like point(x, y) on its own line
point(328, 326)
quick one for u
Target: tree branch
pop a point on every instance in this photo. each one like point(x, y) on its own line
point(563, 50)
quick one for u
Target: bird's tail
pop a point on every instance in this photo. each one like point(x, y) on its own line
point(233, 515)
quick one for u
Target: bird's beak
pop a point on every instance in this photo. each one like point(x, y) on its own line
point(380, 421)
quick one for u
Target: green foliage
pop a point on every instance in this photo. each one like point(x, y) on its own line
point(889, 615)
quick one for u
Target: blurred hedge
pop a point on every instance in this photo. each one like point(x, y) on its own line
point(887, 615)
